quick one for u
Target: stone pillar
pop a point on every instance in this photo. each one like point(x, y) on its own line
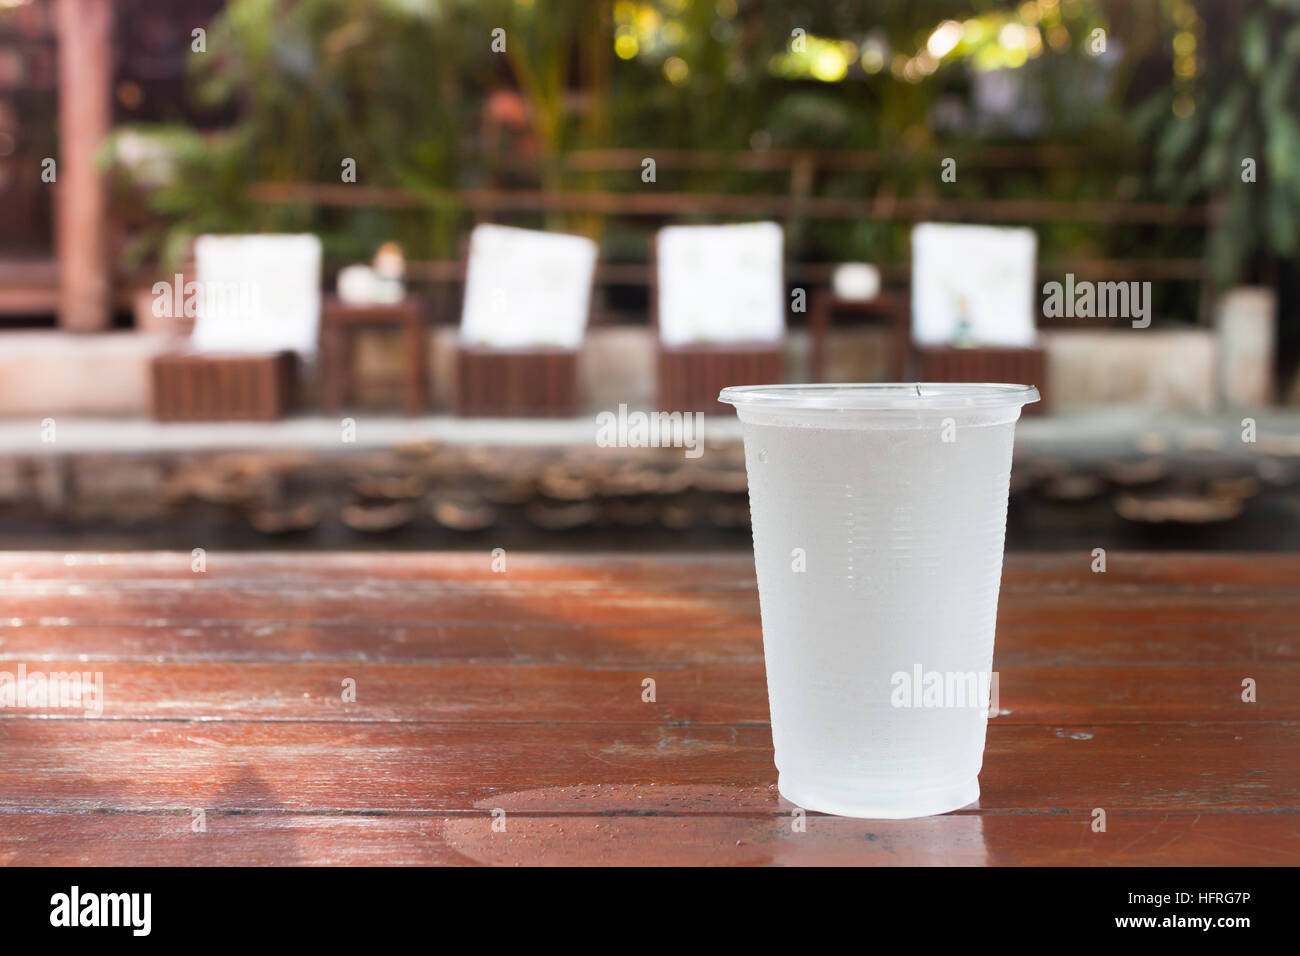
point(1246, 328)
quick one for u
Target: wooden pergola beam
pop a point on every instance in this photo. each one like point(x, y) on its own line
point(85, 42)
point(647, 203)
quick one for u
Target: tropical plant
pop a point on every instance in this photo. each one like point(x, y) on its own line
point(1227, 128)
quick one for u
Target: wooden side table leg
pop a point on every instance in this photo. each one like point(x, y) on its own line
point(416, 360)
point(334, 371)
point(818, 326)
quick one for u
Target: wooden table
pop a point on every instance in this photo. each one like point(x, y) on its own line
point(520, 693)
point(338, 320)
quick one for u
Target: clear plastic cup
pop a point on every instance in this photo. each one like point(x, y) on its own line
point(879, 516)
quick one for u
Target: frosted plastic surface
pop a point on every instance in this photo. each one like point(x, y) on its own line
point(902, 537)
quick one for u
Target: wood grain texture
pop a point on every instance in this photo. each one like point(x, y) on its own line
point(520, 692)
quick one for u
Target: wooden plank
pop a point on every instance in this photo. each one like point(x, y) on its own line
point(305, 641)
point(733, 692)
point(1219, 572)
point(452, 271)
point(570, 767)
point(615, 570)
point(880, 208)
point(1139, 642)
point(848, 160)
point(416, 605)
point(479, 691)
point(667, 838)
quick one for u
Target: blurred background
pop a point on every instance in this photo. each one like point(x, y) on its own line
point(1139, 142)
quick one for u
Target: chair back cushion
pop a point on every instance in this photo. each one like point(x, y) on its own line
point(973, 283)
point(720, 284)
point(257, 293)
point(525, 288)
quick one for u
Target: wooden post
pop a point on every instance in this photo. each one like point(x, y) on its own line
point(85, 35)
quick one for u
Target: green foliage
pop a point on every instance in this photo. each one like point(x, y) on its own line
point(316, 82)
point(1246, 111)
point(399, 86)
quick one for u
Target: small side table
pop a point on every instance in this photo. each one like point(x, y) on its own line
point(339, 319)
point(890, 308)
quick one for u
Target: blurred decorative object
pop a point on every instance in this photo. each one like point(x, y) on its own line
point(356, 285)
point(378, 518)
point(629, 481)
point(1181, 508)
point(1245, 326)
point(677, 480)
point(148, 157)
point(1135, 471)
point(527, 298)
point(730, 514)
point(564, 484)
point(1200, 439)
point(389, 487)
point(390, 272)
point(1073, 487)
point(285, 520)
point(509, 492)
point(1048, 469)
point(1152, 443)
point(219, 486)
point(463, 513)
point(855, 281)
point(1281, 445)
point(258, 310)
point(562, 517)
point(1280, 474)
point(339, 321)
point(631, 513)
point(974, 285)
point(1244, 486)
point(725, 480)
point(719, 304)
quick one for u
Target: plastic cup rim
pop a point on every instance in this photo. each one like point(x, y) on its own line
point(881, 396)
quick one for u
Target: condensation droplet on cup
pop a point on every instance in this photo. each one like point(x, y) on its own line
point(762, 456)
